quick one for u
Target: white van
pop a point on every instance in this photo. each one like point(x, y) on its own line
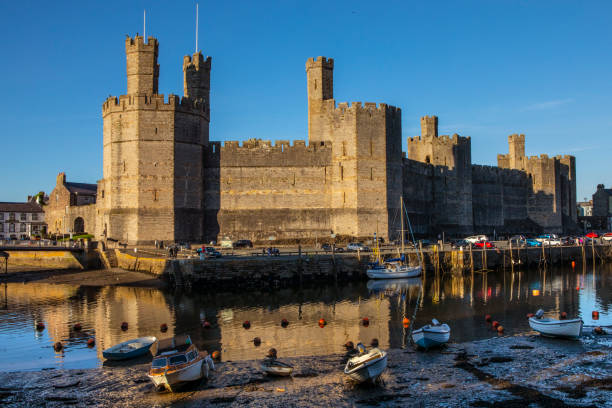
point(476, 238)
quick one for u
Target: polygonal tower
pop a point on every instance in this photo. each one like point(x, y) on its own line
point(153, 150)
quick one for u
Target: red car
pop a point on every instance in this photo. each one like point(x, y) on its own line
point(484, 244)
point(592, 234)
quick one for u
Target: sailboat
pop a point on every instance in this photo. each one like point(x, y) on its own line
point(397, 267)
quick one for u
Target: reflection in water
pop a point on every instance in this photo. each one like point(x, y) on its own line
point(460, 300)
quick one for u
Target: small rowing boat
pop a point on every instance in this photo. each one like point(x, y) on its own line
point(129, 349)
point(570, 328)
point(276, 368)
point(431, 335)
point(366, 366)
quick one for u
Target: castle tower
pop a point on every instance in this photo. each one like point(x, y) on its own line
point(320, 82)
point(153, 153)
point(142, 67)
point(429, 126)
point(196, 77)
point(516, 145)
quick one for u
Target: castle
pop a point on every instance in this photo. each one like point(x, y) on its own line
point(164, 180)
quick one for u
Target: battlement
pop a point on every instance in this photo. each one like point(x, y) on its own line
point(494, 174)
point(138, 44)
point(281, 145)
point(157, 102)
point(354, 107)
point(320, 62)
point(197, 61)
point(455, 139)
point(516, 138)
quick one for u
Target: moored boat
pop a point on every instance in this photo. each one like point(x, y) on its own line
point(178, 361)
point(431, 335)
point(276, 368)
point(366, 366)
point(569, 328)
point(129, 349)
point(394, 270)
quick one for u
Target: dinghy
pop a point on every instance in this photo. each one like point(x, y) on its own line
point(129, 349)
point(570, 328)
point(366, 366)
point(276, 368)
point(178, 361)
point(432, 335)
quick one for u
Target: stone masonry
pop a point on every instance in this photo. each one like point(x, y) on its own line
point(164, 180)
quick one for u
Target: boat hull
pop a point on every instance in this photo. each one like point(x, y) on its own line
point(428, 339)
point(394, 273)
point(369, 371)
point(557, 328)
point(278, 371)
point(114, 354)
point(174, 379)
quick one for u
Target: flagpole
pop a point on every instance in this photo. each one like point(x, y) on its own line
point(197, 12)
point(144, 25)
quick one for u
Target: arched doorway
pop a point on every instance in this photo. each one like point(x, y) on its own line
point(79, 225)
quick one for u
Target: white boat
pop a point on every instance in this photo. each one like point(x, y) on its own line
point(432, 335)
point(555, 328)
point(366, 366)
point(178, 361)
point(394, 270)
point(129, 349)
point(276, 368)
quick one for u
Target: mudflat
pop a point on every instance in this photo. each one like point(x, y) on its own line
point(499, 372)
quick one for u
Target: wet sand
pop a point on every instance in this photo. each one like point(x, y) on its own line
point(499, 372)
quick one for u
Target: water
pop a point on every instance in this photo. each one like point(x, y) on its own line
point(460, 301)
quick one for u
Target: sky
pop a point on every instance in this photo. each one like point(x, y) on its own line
point(486, 68)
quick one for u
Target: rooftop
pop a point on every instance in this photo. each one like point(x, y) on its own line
point(20, 207)
point(82, 188)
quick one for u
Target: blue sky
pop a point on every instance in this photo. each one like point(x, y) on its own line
point(486, 68)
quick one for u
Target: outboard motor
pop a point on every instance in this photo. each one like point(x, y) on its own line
point(539, 314)
point(435, 322)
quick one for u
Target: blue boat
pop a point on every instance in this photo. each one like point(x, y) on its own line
point(432, 335)
point(129, 349)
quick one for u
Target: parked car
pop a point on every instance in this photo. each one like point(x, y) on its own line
point(243, 243)
point(607, 236)
point(355, 246)
point(552, 242)
point(227, 242)
point(476, 238)
point(209, 252)
point(484, 244)
point(530, 242)
point(545, 237)
point(326, 247)
point(460, 243)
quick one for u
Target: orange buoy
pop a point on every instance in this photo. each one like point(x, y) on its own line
point(406, 326)
point(488, 318)
point(563, 315)
point(406, 321)
point(500, 329)
point(216, 355)
point(124, 326)
point(206, 324)
point(530, 315)
point(365, 321)
point(284, 323)
point(349, 345)
point(573, 264)
point(58, 346)
point(598, 330)
point(595, 315)
point(374, 342)
point(163, 327)
point(77, 327)
point(91, 342)
point(40, 326)
point(257, 341)
point(322, 322)
point(246, 324)
point(495, 324)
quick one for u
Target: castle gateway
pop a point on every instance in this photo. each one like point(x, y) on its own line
point(164, 180)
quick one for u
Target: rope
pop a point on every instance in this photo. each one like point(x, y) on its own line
point(416, 307)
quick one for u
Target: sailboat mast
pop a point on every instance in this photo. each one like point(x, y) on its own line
point(402, 221)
